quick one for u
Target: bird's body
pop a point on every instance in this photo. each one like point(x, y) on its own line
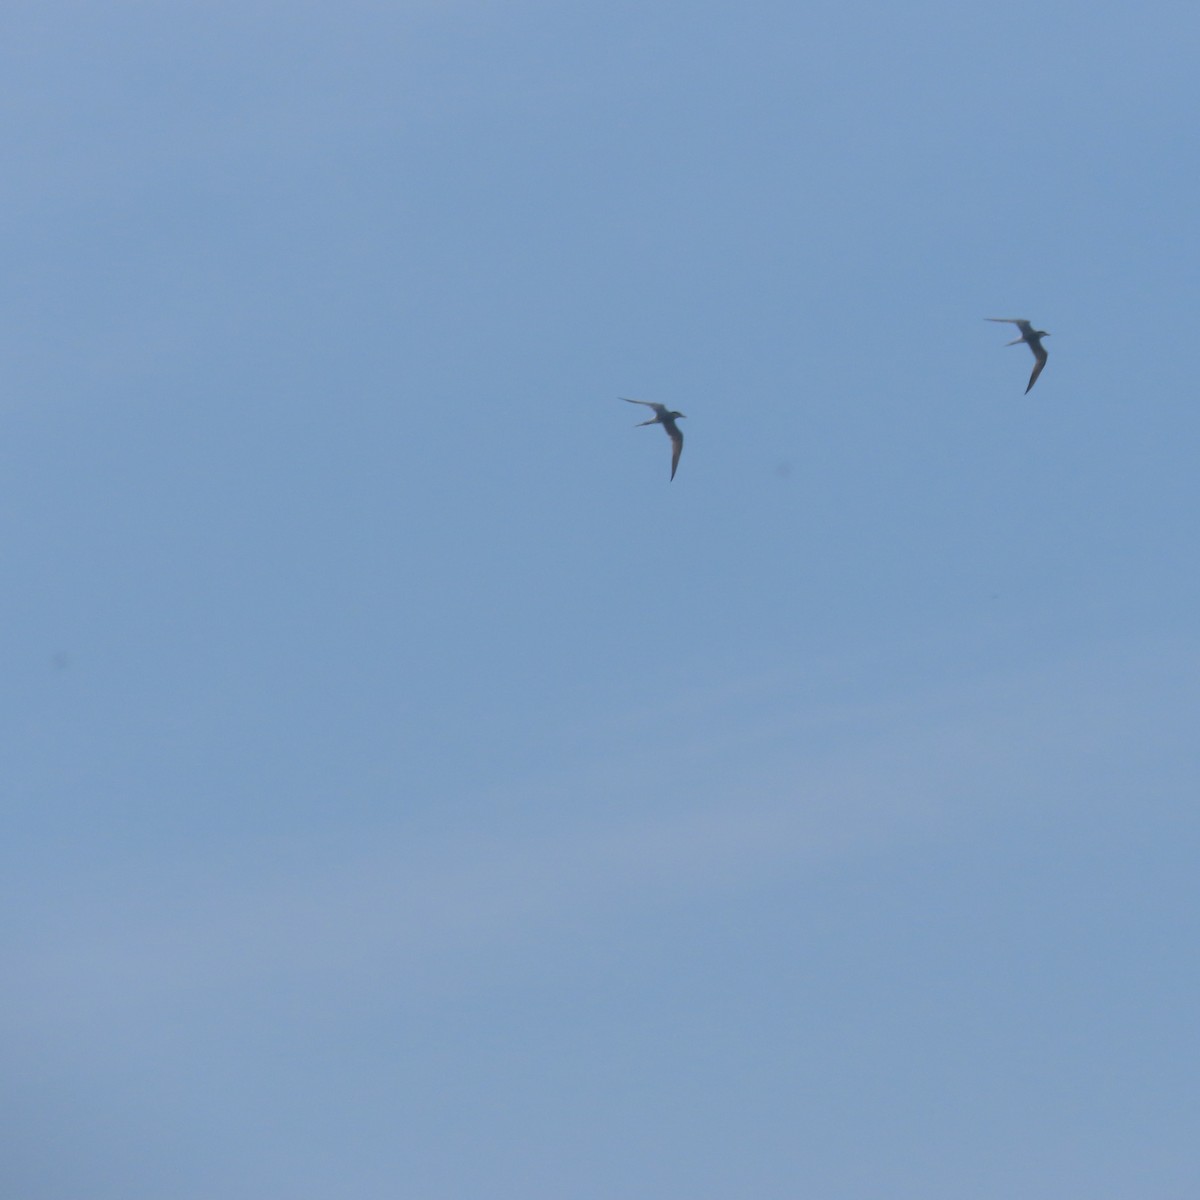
point(664, 417)
point(1032, 338)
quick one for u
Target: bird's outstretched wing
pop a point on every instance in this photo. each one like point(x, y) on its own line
point(1020, 322)
point(676, 447)
point(1039, 352)
point(658, 408)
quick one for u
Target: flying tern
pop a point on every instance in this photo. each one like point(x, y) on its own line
point(664, 417)
point(1032, 338)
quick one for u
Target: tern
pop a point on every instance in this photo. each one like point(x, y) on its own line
point(1032, 338)
point(664, 417)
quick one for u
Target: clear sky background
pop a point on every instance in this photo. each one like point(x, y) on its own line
point(408, 791)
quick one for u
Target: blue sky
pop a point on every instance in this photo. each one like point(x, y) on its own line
point(409, 791)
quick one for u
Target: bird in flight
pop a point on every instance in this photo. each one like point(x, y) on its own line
point(664, 417)
point(1032, 338)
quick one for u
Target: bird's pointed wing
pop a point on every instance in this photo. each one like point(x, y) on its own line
point(1008, 320)
point(676, 447)
point(1039, 352)
point(644, 403)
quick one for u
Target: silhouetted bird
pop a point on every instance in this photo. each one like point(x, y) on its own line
point(1032, 338)
point(665, 418)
